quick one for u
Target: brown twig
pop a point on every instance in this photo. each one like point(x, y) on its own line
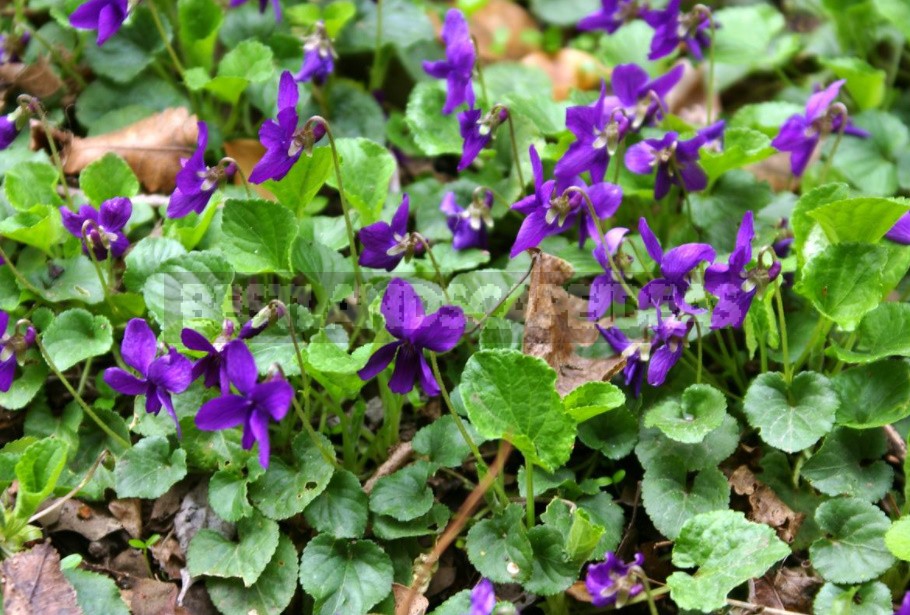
point(896, 443)
point(396, 460)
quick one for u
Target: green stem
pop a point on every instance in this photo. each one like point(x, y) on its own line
point(830, 160)
point(782, 319)
point(620, 152)
point(700, 356)
point(483, 83)
point(164, 38)
point(499, 303)
point(617, 274)
point(439, 276)
point(819, 333)
point(85, 407)
point(86, 369)
point(529, 493)
point(521, 179)
point(649, 595)
point(55, 156)
point(375, 78)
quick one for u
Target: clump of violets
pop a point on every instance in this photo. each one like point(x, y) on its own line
point(673, 28)
point(283, 140)
point(800, 134)
point(385, 245)
point(642, 97)
point(212, 367)
point(611, 16)
point(598, 129)
point(458, 67)
point(11, 346)
point(161, 374)
point(196, 182)
point(483, 598)
point(253, 406)
point(101, 230)
point(667, 346)
point(675, 268)
point(733, 285)
point(415, 331)
point(606, 289)
point(477, 130)
point(676, 161)
point(553, 208)
point(613, 582)
point(318, 56)
point(469, 225)
point(105, 16)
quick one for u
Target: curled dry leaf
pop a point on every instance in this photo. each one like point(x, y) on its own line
point(33, 583)
point(78, 517)
point(555, 322)
point(152, 597)
point(128, 512)
point(152, 147)
point(498, 28)
point(788, 589)
point(246, 153)
point(36, 79)
point(765, 506)
point(569, 69)
point(688, 98)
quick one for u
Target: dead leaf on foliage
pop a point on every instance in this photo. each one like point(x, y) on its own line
point(169, 555)
point(775, 170)
point(246, 153)
point(765, 506)
point(196, 514)
point(408, 604)
point(128, 512)
point(37, 79)
point(132, 563)
point(789, 589)
point(555, 322)
point(33, 583)
point(152, 146)
point(569, 69)
point(85, 520)
point(688, 98)
point(498, 29)
point(152, 597)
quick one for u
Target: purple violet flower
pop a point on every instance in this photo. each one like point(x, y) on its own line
point(612, 15)
point(634, 371)
point(667, 346)
point(11, 346)
point(633, 88)
point(106, 16)
point(676, 161)
point(385, 245)
point(672, 27)
point(483, 598)
point(161, 376)
point(598, 129)
point(477, 131)
point(416, 332)
point(318, 56)
point(800, 134)
point(732, 284)
point(196, 182)
point(265, 317)
point(100, 229)
point(904, 608)
point(613, 582)
point(212, 366)
point(550, 211)
point(605, 288)
point(675, 267)
point(8, 130)
point(900, 232)
point(283, 140)
point(253, 407)
point(458, 67)
point(262, 5)
point(469, 226)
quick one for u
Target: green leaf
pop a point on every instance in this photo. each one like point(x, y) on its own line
point(108, 177)
point(849, 462)
point(552, 571)
point(607, 514)
point(212, 554)
point(345, 576)
point(791, 417)
point(897, 539)
point(269, 595)
point(592, 399)
point(671, 497)
point(865, 83)
point(38, 226)
point(341, 509)
point(329, 272)
point(31, 183)
point(403, 24)
point(861, 219)
point(808, 237)
point(228, 495)
point(296, 189)
point(692, 416)
point(188, 287)
point(76, 335)
point(441, 441)
point(149, 469)
point(431, 523)
point(766, 117)
point(127, 54)
point(258, 236)
point(847, 280)
point(145, 257)
point(510, 395)
point(742, 147)
point(897, 12)
point(501, 333)
point(883, 332)
point(728, 550)
point(284, 490)
point(251, 60)
point(37, 471)
point(479, 292)
point(873, 395)
point(199, 23)
point(869, 164)
point(433, 132)
point(867, 599)
point(96, 593)
point(366, 170)
point(499, 547)
point(355, 113)
point(853, 549)
point(403, 495)
point(580, 533)
point(28, 382)
point(614, 433)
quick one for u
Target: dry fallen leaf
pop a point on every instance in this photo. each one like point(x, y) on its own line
point(169, 555)
point(33, 583)
point(153, 597)
point(129, 513)
point(152, 147)
point(555, 322)
point(246, 153)
point(688, 98)
point(776, 170)
point(569, 69)
point(37, 79)
point(75, 516)
point(498, 28)
point(789, 589)
point(765, 506)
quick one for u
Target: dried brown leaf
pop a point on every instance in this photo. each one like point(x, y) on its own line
point(569, 69)
point(765, 506)
point(153, 597)
point(33, 583)
point(246, 153)
point(128, 512)
point(689, 97)
point(170, 556)
point(132, 563)
point(76, 516)
point(555, 322)
point(37, 79)
point(498, 17)
point(789, 589)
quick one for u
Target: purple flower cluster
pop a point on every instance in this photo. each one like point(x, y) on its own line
point(196, 182)
point(613, 582)
point(101, 230)
point(105, 16)
point(458, 67)
point(469, 226)
point(483, 598)
point(318, 56)
point(385, 245)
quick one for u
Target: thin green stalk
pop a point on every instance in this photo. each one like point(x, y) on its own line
point(788, 373)
point(85, 407)
point(837, 140)
point(649, 595)
point(439, 276)
point(86, 369)
point(164, 38)
point(529, 493)
point(515, 158)
point(483, 83)
point(499, 303)
point(819, 333)
point(620, 152)
point(375, 79)
point(700, 357)
point(55, 156)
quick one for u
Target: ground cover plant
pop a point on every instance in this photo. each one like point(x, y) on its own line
point(560, 306)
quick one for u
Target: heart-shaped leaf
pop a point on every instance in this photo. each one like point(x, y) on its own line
point(345, 576)
point(853, 549)
point(212, 554)
point(690, 417)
